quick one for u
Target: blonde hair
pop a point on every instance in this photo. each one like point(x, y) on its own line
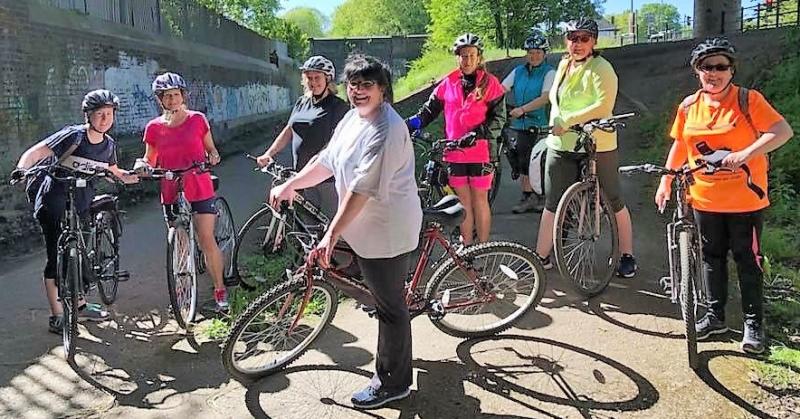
point(331, 85)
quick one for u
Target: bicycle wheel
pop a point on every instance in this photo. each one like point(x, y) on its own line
point(255, 253)
point(508, 282)
point(181, 275)
point(269, 336)
point(586, 258)
point(225, 234)
point(689, 271)
point(68, 268)
point(107, 257)
point(498, 176)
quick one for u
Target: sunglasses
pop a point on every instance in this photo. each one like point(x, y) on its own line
point(705, 68)
point(364, 84)
point(579, 38)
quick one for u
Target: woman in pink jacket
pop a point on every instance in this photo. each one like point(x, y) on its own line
point(473, 101)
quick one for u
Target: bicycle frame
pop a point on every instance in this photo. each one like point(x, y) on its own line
point(352, 286)
point(683, 220)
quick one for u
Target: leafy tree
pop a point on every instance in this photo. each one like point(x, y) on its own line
point(311, 21)
point(379, 17)
point(652, 17)
point(260, 17)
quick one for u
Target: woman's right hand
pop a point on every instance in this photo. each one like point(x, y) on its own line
point(281, 193)
point(264, 160)
point(662, 194)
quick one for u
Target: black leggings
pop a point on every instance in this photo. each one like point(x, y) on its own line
point(51, 230)
point(386, 279)
point(739, 233)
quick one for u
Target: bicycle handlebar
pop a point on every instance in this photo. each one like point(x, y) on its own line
point(172, 174)
point(75, 174)
point(274, 169)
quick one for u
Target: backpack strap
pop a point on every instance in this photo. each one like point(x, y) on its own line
point(744, 107)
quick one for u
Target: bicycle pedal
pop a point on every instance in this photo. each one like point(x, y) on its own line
point(370, 310)
point(666, 284)
point(436, 310)
point(123, 276)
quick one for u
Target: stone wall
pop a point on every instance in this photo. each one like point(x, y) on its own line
point(396, 51)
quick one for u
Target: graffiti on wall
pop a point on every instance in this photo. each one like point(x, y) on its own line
point(131, 80)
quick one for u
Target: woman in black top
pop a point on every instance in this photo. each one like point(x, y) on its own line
point(310, 127)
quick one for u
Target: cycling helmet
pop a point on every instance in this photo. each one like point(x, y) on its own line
point(536, 40)
point(321, 64)
point(468, 40)
point(712, 46)
point(168, 81)
point(96, 99)
point(583, 24)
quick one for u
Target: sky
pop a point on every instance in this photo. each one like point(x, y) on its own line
point(685, 7)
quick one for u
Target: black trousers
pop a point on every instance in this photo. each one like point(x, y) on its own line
point(386, 279)
point(740, 234)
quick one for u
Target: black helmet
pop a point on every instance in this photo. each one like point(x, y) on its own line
point(583, 24)
point(321, 64)
point(536, 40)
point(468, 40)
point(712, 46)
point(97, 99)
point(168, 81)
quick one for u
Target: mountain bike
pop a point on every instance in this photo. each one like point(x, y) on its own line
point(271, 233)
point(476, 291)
point(432, 175)
point(88, 247)
point(185, 259)
point(685, 284)
point(585, 237)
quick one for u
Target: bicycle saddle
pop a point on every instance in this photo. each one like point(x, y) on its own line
point(447, 212)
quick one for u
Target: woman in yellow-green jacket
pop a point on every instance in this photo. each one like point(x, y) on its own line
point(585, 88)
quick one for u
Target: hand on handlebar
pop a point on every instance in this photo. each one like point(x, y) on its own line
point(558, 130)
point(264, 160)
point(281, 193)
point(662, 194)
point(322, 253)
point(142, 167)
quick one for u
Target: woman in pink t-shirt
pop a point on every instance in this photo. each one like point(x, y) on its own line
point(176, 140)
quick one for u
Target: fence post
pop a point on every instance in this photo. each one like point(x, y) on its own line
point(158, 16)
point(777, 13)
point(722, 23)
point(741, 20)
point(758, 16)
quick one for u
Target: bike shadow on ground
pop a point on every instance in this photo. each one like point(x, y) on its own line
point(639, 304)
point(147, 361)
point(520, 376)
point(728, 373)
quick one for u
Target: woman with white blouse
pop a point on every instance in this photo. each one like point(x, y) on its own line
point(379, 215)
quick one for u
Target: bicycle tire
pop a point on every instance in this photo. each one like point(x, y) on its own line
point(255, 240)
point(530, 269)
point(688, 272)
point(577, 200)
point(498, 176)
point(279, 296)
point(68, 269)
point(107, 257)
point(225, 235)
point(181, 275)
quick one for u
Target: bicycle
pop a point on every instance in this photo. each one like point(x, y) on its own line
point(476, 291)
point(270, 232)
point(185, 259)
point(88, 249)
point(585, 237)
point(432, 178)
point(685, 283)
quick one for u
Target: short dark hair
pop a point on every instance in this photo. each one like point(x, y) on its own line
point(367, 67)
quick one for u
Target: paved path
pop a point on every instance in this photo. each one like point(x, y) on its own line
point(618, 355)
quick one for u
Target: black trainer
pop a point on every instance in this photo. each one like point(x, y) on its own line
point(547, 262)
point(627, 266)
point(55, 324)
point(754, 340)
point(372, 398)
point(710, 325)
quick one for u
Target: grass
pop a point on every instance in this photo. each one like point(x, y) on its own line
point(433, 65)
point(781, 369)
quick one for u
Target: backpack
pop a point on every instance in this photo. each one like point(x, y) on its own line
point(536, 167)
point(35, 184)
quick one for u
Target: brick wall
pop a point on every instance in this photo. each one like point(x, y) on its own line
point(51, 57)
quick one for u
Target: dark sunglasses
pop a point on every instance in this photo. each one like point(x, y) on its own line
point(579, 38)
point(364, 84)
point(705, 68)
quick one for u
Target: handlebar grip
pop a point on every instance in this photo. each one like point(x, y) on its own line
point(630, 169)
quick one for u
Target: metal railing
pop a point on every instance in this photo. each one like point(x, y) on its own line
point(183, 19)
point(771, 14)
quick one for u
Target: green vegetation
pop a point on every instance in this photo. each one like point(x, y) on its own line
point(309, 20)
point(650, 18)
point(379, 17)
point(433, 65)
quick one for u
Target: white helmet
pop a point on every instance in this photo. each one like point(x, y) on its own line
point(321, 64)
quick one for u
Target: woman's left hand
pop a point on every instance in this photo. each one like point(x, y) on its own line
point(736, 159)
point(516, 112)
point(324, 249)
point(558, 130)
point(129, 178)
